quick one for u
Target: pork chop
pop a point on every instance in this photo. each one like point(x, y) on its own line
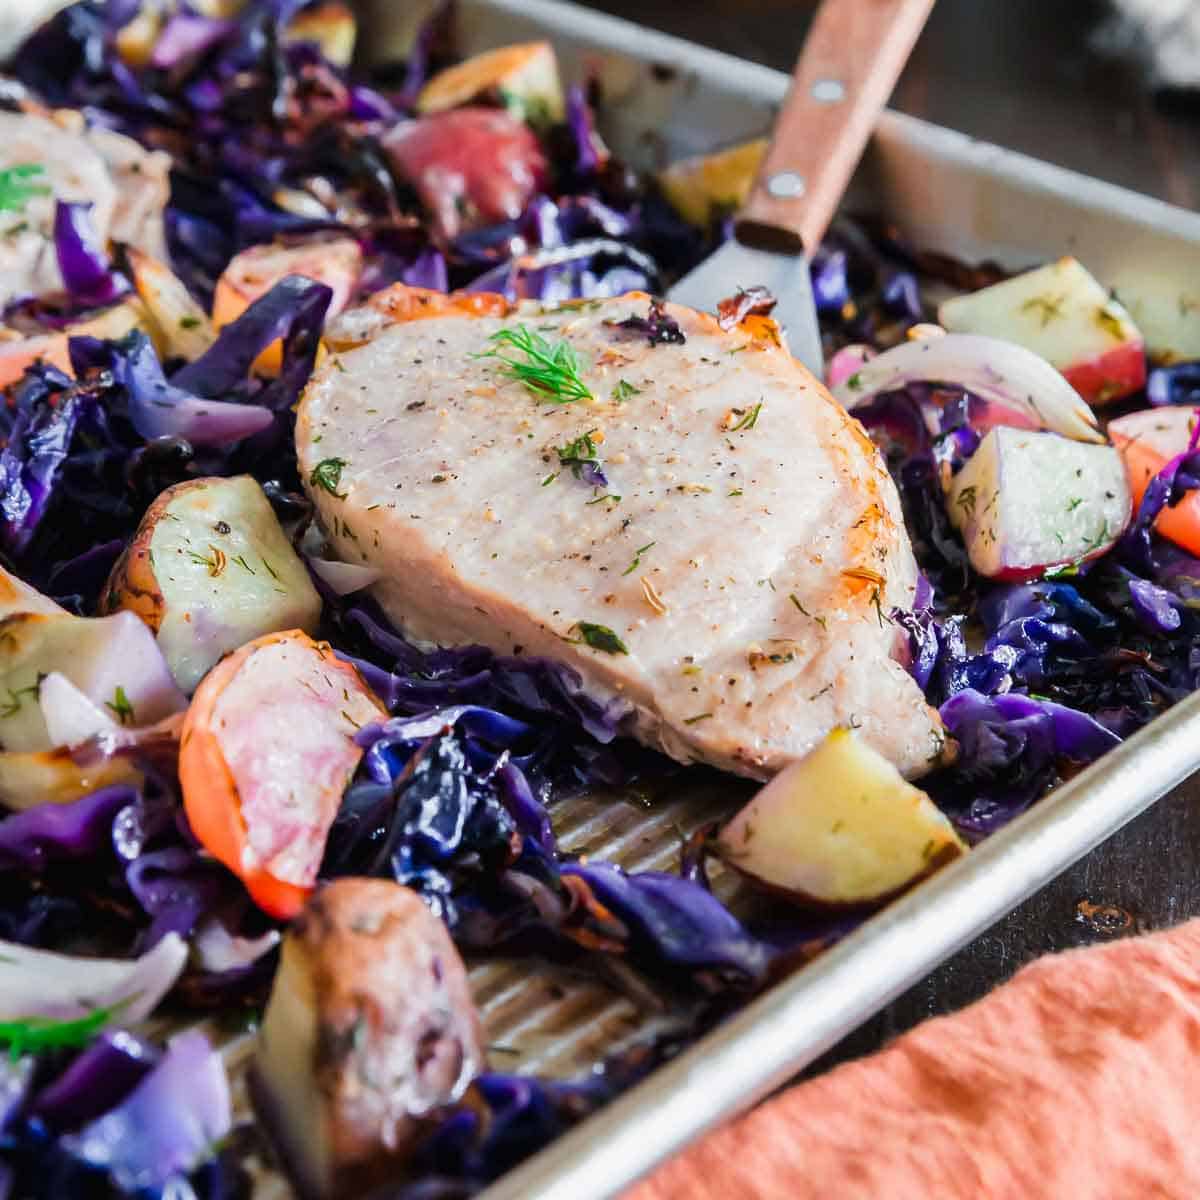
point(709, 536)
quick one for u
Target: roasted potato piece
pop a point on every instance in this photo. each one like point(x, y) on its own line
point(16, 596)
point(370, 1029)
point(839, 828)
point(182, 328)
point(208, 570)
point(267, 750)
point(53, 777)
point(331, 26)
point(523, 77)
point(709, 185)
point(113, 661)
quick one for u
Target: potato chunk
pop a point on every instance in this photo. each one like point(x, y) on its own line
point(839, 828)
point(210, 569)
point(523, 77)
point(370, 1029)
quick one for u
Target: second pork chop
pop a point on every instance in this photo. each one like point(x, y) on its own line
point(687, 518)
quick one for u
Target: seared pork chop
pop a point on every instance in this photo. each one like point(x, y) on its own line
point(702, 531)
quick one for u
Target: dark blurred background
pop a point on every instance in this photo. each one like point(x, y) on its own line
point(1042, 76)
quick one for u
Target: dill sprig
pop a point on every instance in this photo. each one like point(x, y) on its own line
point(17, 188)
point(550, 370)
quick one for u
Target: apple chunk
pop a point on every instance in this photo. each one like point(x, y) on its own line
point(1028, 500)
point(1147, 441)
point(841, 827)
point(1062, 313)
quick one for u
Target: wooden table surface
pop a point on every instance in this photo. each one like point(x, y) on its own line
point(1028, 74)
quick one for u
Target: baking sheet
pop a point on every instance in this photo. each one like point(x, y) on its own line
point(664, 99)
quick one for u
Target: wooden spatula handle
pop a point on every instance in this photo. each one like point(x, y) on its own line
point(851, 60)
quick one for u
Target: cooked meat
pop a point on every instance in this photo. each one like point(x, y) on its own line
point(126, 186)
point(732, 581)
point(369, 1030)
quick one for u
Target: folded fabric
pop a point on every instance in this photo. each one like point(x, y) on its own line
point(1079, 1079)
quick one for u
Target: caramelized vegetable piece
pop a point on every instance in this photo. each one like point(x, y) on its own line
point(53, 777)
point(370, 1029)
point(16, 596)
point(181, 327)
point(267, 750)
point(18, 354)
point(1147, 441)
point(208, 569)
point(841, 827)
point(1062, 313)
point(710, 185)
point(333, 261)
point(523, 78)
point(331, 26)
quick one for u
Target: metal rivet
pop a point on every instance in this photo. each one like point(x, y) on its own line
point(786, 185)
point(828, 91)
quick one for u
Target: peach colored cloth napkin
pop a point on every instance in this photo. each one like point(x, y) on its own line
point(1077, 1080)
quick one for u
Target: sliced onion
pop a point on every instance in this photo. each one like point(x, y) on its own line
point(71, 716)
point(216, 949)
point(1000, 372)
point(343, 578)
point(64, 987)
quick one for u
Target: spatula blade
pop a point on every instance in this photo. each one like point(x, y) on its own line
point(736, 266)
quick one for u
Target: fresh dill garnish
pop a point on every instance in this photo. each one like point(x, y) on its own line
point(637, 558)
point(579, 455)
point(327, 474)
point(704, 716)
point(750, 418)
point(35, 1035)
point(18, 186)
point(609, 496)
point(550, 479)
point(624, 390)
point(600, 637)
point(1072, 505)
point(550, 370)
point(241, 562)
point(796, 601)
point(120, 706)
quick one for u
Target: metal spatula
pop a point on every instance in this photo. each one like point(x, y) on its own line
point(851, 60)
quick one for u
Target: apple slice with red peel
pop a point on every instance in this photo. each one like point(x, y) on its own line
point(1147, 441)
point(840, 828)
point(267, 750)
point(1062, 313)
point(1028, 501)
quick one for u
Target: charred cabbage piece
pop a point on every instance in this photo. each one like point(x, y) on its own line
point(208, 570)
point(370, 1029)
